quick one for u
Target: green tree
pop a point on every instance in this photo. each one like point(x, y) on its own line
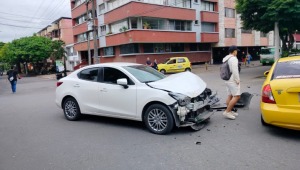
point(59, 52)
point(261, 15)
point(32, 49)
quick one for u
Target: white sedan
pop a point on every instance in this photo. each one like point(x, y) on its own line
point(136, 92)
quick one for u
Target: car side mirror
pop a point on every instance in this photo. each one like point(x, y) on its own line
point(266, 73)
point(123, 82)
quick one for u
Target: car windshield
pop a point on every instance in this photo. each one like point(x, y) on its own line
point(288, 69)
point(144, 74)
point(267, 51)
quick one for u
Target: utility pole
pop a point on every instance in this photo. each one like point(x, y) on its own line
point(96, 59)
point(277, 42)
point(88, 32)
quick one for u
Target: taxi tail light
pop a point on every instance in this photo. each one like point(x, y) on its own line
point(267, 96)
point(59, 83)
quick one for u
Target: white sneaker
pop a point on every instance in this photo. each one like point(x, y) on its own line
point(228, 115)
point(234, 113)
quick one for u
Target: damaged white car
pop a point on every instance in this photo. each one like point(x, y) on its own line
point(137, 92)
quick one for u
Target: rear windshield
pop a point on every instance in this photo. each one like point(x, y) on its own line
point(288, 69)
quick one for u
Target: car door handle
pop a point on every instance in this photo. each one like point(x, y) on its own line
point(76, 85)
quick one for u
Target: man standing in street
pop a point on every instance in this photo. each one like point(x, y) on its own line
point(233, 84)
point(13, 76)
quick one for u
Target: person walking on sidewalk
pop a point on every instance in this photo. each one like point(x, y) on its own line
point(233, 84)
point(13, 76)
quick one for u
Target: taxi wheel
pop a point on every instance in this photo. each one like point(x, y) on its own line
point(263, 122)
point(188, 69)
point(163, 71)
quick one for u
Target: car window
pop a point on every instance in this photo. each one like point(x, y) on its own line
point(180, 60)
point(144, 73)
point(288, 69)
point(173, 61)
point(90, 74)
point(111, 75)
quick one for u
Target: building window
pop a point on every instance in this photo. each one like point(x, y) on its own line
point(229, 12)
point(79, 2)
point(229, 33)
point(116, 3)
point(207, 6)
point(200, 47)
point(109, 51)
point(129, 49)
point(180, 25)
point(245, 31)
point(208, 27)
point(155, 23)
point(196, 22)
point(262, 34)
point(178, 47)
point(103, 30)
point(181, 3)
point(163, 48)
point(196, 1)
point(119, 25)
point(101, 9)
point(81, 37)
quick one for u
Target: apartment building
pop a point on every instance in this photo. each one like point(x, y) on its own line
point(132, 30)
point(61, 29)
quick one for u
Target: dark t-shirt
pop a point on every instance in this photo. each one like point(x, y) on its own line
point(148, 63)
point(14, 73)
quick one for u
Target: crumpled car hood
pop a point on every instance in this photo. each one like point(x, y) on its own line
point(186, 83)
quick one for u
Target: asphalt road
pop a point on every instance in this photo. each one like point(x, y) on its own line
point(34, 135)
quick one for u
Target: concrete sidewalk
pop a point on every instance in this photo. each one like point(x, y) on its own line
point(216, 67)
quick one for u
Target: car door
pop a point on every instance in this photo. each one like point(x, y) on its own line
point(181, 64)
point(87, 90)
point(171, 65)
point(116, 100)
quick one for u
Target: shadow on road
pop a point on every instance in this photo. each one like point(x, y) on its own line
point(284, 133)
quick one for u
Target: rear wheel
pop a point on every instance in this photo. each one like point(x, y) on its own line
point(71, 109)
point(158, 119)
point(163, 71)
point(187, 69)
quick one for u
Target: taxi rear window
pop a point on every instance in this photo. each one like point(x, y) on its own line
point(287, 69)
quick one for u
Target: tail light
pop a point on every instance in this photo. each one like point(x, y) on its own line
point(59, 83)
point(267, 96)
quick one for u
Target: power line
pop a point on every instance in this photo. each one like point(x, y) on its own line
point(25, 16)
point(19, 26)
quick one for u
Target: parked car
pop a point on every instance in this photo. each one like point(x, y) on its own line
point(137, 92)
point(174, 65)
point(280, 103)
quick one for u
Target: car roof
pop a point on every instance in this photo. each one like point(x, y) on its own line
point(118, 64)
point(177, 57)
point(292, 58)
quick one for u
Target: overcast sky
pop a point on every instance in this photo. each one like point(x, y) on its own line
point(21, 18)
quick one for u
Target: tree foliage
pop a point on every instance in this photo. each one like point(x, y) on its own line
point(261, 15)
point(58, 49)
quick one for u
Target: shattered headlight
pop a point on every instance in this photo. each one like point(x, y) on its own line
point(182, 100)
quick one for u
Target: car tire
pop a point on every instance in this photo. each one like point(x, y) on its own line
point(188, 69)
point(71, 109)
point(158, 119)
point(163, 71)
point(263, 121)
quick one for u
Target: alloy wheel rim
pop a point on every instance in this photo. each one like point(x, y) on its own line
point(157, 120)
point(70, 109)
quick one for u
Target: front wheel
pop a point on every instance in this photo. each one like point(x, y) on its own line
point(158, 119)
point(163, 71)
point(71, 109)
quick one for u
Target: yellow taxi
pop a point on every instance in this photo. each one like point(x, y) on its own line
point(174, 65)
point(280, 102)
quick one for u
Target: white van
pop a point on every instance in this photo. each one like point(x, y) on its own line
point(267, 55)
